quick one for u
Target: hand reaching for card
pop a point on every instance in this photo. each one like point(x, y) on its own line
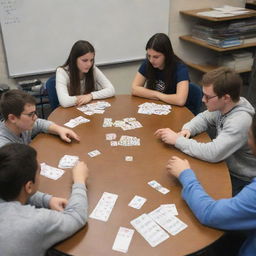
point(80, 173)
point(176, 166)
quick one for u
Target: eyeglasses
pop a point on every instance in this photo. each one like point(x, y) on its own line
point(207, 97)
point(31, 114)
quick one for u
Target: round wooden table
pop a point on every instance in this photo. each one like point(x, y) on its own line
point(109, 172)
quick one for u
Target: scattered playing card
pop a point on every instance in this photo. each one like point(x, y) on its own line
point(163, 217)
point(94, 153)
point(113, 143)
point(129, 158)
point(154, 184)
point(123, 239)
point(104, 207)
point(150, 231)
point(94, 108)
point(137, 202)
point(50, 172)
point(110, 136)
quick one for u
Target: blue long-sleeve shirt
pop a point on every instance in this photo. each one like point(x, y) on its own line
point(237, 213)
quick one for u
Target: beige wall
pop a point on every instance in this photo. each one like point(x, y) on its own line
point(121, 75)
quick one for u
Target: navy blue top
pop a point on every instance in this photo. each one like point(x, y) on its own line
point(181, 74)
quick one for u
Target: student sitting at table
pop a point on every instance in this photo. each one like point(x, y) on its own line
point(162, 76)
point(230, 116)
point(237, 213)
point(31, 222)
point(21, 124)
point(79, 81)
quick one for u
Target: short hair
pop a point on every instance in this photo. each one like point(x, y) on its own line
point(18, 165)
point(13, 102)
point(224, 81)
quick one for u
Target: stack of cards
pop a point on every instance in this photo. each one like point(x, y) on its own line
point(76, 121)
point(94, 153)
point(152, 108)
point(128, 123)
point(129, 141)
point(68, 161)
point(94, 108)
point(154, 184)
point(51, 172)
point(104, 207)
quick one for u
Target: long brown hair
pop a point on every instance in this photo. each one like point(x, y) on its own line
point(161, 43)
point(79, 49)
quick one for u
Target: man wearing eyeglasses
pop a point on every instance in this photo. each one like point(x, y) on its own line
point(230, 116)
point(21, 124)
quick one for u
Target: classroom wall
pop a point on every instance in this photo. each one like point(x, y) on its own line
point(121, 75)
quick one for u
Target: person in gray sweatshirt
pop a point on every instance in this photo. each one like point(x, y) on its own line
point(29, 223)
point(230, 116)
point(21, 124)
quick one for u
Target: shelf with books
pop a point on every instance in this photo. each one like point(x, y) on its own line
point(221, 34)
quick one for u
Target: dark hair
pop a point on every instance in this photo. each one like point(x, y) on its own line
point(14, 101)
point(161, 43)
point(224, 81)
point(253, 127)
point(79, 49)
point(18, 165)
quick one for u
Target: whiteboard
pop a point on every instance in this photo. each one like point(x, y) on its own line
point(38, 34)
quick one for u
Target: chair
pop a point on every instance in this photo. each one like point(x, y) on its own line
point(194, 100)
point(52, 94)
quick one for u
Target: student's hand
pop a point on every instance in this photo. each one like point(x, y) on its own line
point(167, 135)
point(83, 99)
point(176, 166)
point(67, 134)
point(57, 203)
point(80, 173)
point(185, 133)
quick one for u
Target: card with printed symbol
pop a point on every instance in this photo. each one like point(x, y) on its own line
point(154, 184)
point(137, 202)
point(168, 221)
point(129, 158)
point(50, 172)
point(123, 239)
point(104, 207)
point(149, 230)
point(94, 153)
point(171, 208)
point(68, 161)
point(110, 136)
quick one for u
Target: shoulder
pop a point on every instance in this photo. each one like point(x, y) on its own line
point(60, 71)
point(143, 67)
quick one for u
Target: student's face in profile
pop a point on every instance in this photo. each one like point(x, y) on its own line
point(211, 100)
point(251, 142)
point(157, 59)
point(27, 118)
point(85, 62)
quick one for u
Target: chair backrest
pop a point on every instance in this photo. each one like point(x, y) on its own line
point(194, 100)
point(52, 94)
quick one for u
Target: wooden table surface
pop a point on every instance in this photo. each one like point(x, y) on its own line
point(109, 172)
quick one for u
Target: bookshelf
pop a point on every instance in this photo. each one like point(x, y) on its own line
point(201, 43)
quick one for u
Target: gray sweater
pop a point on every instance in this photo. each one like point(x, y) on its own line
point(6, 136)
point(230, 143)
point(29, 231)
